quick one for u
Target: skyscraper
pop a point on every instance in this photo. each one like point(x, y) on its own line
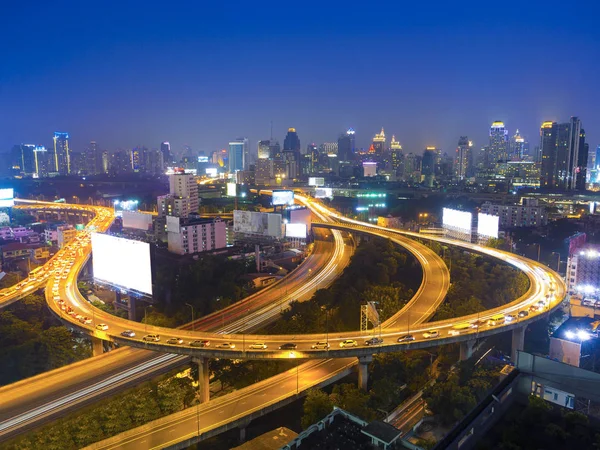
point(428, 165)
point(581, 170)
point(291, 141)
point(379, 143)
point(165, 149)
point(519, 147)
point(461, 159)
point(394, 144)
point(548, 133)
point(345, 146)
point(264, 149)
point(62, 157)
point(498, 150)
point(237, 152)
point(564, 155)
point(92, 162)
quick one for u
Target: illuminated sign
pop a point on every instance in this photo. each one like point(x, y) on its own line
point(487, 225)
point(316, 181)
point(231, 189)
point(295, 230)
point(323, 193)
point(7, 198)
point(211, 171)
point(283, 198)
point(460, 220)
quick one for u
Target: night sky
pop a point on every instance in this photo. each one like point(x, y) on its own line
point(129, 73)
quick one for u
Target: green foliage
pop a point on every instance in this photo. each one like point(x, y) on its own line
point(32, 341)
point(317, 405)
point(10, 279)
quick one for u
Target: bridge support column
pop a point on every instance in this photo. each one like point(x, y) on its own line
point(518, 342)
point(203, 379)
point(363, 371)
point(242, 428)
point(132, 305)
point(97, 346)
point(466, 350)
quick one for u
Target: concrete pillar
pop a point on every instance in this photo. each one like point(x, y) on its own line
point(363, 371)
point(132, 305)
point(466, 350)
point(518, 342)
point(242, 428)
point(203, 378)
point(97, 346)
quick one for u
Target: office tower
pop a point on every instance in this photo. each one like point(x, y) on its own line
point(428, 164)
point(352, 135)
point(461, 159)
point(119, 162)
point(154, 162)
point(313, 153)
point(580, 172)
point(498, 149)
point(236, 155)
point(548, 133)
point(264, 149)
point(165, 149)
point(139, 156)
point(379, 143)
point(344, 147)
point(396, 160)
point(77, 163)
point(394, 144)
point(92, 163)
point(412, 168)
point(105, 161)
point(291, 141)
point(330, 148)
point(275, 150)
point(519, 147)
point(27, 163)
point(62, 158)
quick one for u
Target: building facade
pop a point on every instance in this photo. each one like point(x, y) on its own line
point(530, 214)
point(197, 235)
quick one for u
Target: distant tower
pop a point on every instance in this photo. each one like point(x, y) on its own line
point(461, 159)
point(498, 150)
point(291, 141)
point(62, 157)
point(237, 153)
point(394, 144)
point(165, 149)
point(345, 149)
point(518, 147)
point(379, 143)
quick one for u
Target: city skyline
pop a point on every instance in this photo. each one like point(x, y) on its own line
point(130, 88)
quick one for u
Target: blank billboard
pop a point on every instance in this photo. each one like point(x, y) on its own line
point(487, 225)
point(316, 181)
point(460, 220)
point(231, 189)
point(137, 220)
point(323, 193)
point(120, 262)
point(283, 198)
point(250, 222)
point(295, 230)
point(7, 198)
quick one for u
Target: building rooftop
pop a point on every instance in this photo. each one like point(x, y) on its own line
point(272, 440)
point(383, 432)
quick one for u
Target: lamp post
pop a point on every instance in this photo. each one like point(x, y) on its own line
point(324, 308)
point(193, 326)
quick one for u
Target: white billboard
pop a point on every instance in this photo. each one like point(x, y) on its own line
point(460, 220)
point(283, 198)
point(316, 181)
point(487, 225)
point(323, 193)
point(137, 220)
point(7, 198)
point(211, 171)
point(295, 230)
point(231, 189)
point(122, 262)
point(301, 215)
point(250, 222)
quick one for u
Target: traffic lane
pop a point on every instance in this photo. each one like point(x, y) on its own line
point(213, 414)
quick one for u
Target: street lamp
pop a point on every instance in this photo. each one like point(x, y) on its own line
point(187, 304)
point(324, 308)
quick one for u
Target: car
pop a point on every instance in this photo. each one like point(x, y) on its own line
point(175, 341)
point(258, 346)
point(320, 345)
point(200, 343)
point(431, 334)
point(151, 338)
point(348, 343)
point(533, 308)
point(79, 317)
point(511, 317)
point(63, 306)
point(228, 345)
point(102, 326)
point(128, 333)
point(453, 332)
point(71, 312)
point(523, 313)
point(406, 338)
point(374, 341)
point(288, 346)
point(85, 320)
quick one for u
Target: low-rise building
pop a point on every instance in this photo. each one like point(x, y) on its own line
point(190, 236)
point(529, 214)
point(583, 270)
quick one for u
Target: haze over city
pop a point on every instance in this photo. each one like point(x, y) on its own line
point(202, 74)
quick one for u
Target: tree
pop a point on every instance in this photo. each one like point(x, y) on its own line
point(317, 405)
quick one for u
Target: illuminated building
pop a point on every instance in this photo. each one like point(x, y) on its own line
point(394, 144)
point(379, 143)
point(165, 149)
point(583, 270)
point(291, 154)
point(236, 155)
point(27, 163)
point(345, 146)
point(530, 214)
point(564, 155)
point(519, 147)
point(330, 148)
point(264, 149)
point(497, 150)
point(138, 159)
point(92, 163)
point(182, 199)
point(189, 236)
point(428, 165)
point(62, 158)
point(518, 173)
point(291, 141)
point(461, 160)
point(411, 170)
point(397, 158)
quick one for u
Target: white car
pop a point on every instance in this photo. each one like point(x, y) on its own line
point(348, 343)
point(258, 346)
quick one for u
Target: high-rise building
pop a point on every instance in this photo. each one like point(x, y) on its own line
point(352, 135)
point(165, 149)
point(138, 159)
point(154, 163)
point(62, 157)
point(344, 147)
point(119, 162)
point(330, 148)
point(461, 159)
point(519, 147)
point(379, 143)
point(264, 149)
point(291, 141)
point(394, 144)
point(92, 163)
point(548, 133)
point(27, 163)
point(236, 156)
point(564, 155)
point(498, 149)
point(428, 164)
point(182, 199)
